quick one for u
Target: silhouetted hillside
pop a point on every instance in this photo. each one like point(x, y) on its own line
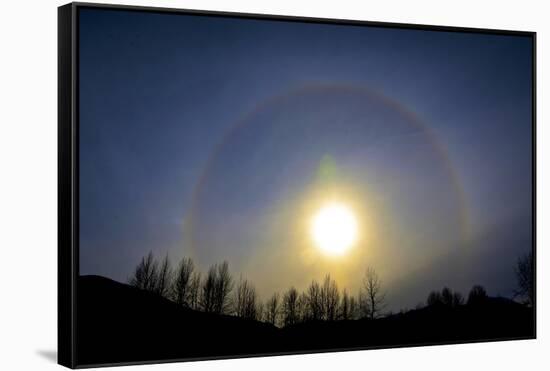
point(117, 322)
point(120, 323)
point(497, 319)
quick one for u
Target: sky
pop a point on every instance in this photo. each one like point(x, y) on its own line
point(219, 138)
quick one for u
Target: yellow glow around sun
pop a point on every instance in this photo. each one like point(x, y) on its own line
point(334, 228)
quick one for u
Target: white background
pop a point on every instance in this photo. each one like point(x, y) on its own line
point(28, 183)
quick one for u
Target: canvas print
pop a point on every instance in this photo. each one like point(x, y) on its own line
point(255, 186)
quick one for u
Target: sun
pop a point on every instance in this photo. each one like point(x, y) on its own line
point(334, 228)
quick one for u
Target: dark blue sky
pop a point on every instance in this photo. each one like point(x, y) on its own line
point(203, 136)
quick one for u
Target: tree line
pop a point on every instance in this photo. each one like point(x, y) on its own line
point(218, 292)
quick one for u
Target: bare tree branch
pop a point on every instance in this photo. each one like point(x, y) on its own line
point(525, 279)
point(372, 298)
point(181, 288)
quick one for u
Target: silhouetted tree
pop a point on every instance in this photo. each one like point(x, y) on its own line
point(216, 288)
point(164, 278)
point(330, 298)
point(245, 305)
point(302, 307)
point(181, 288)
point(208, 294)
point(348, 306)
point(290, 307)
point(371, 297)
point(434, 298)
point(145, 274)
point(223, 287)
point(477, 295)
point(525, 279)
point(447, 297)
point(314, 301)
point(194, 290)
point(272, 309)
point(260, 310)
point(353, 308)
point(345, 306)
point(458, 299)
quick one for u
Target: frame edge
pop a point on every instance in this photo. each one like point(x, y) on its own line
point(65, 219)
point(303, 19)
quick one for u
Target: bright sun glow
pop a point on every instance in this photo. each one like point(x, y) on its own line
point(334, 228)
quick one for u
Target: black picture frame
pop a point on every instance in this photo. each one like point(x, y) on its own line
point(68, 163)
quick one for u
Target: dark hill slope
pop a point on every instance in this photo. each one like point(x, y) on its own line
point(496, 319)
point(119, 323)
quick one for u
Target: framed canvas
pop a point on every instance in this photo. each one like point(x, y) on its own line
point(236, 185)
